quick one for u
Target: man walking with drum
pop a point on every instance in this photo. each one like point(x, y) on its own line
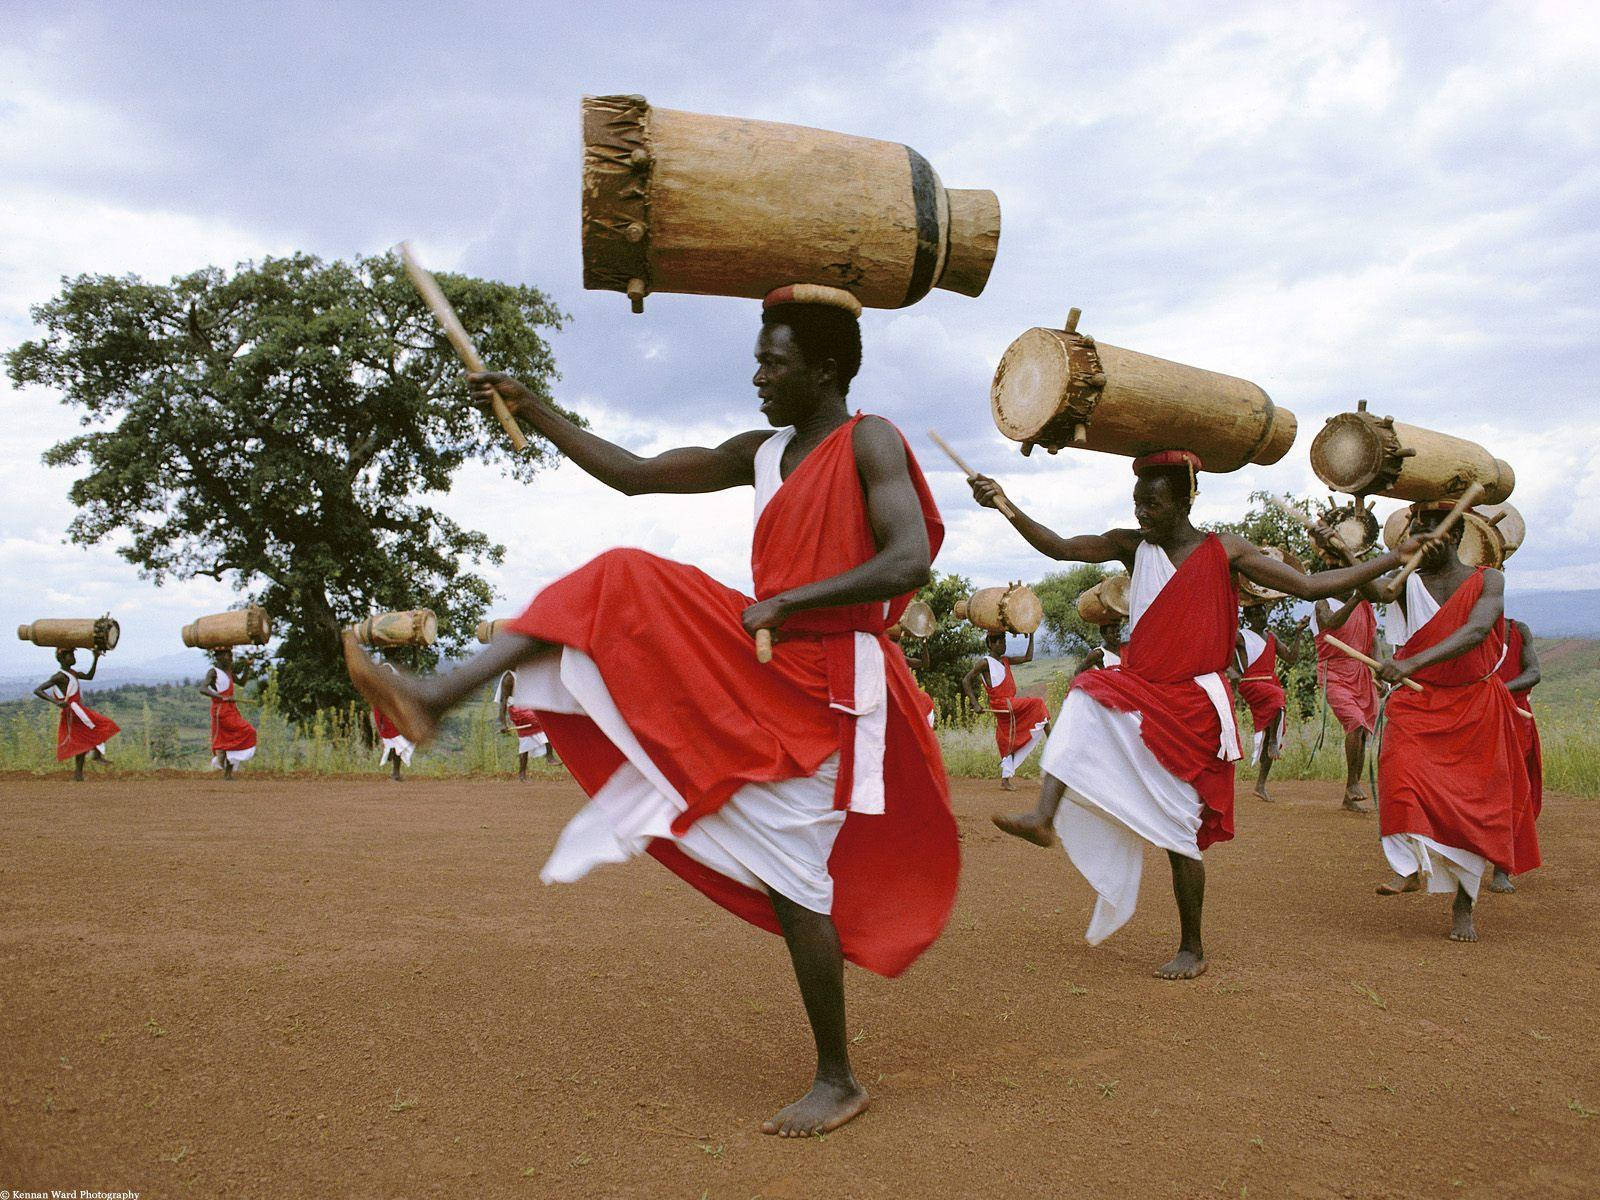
point(233, 739)
point(1144, 751)
point(82, 731)
point(1020, 722)
point(806, 794)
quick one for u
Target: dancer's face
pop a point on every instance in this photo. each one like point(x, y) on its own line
point(1157, 507)
point(785, 382)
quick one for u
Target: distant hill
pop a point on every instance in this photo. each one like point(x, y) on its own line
point(1557, 614)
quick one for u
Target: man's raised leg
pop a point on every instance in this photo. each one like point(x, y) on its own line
point(416, 702)
point(835, 1096)
point(1355, 755)
point(1189, 886)
point(1037, 826)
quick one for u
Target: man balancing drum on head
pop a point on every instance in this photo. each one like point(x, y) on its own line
point(1144, 751)
point(1020, 722)
point(81, 732)
point(1453, 792)
point(806, 795)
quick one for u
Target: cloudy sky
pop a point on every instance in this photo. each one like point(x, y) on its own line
point(1392, 202)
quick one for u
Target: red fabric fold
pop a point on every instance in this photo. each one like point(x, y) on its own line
point(1526, 728)
point(1452, 768)
point(74, 737)
point(1351, 691)
point(1015, 717)
point(1261, 689)
point(229, 729)
point(1189, 630)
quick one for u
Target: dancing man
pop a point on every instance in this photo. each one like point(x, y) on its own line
point(1347, 684)
point(1520, 670)
point(1453, 792)
point(1144, 751)
point(82, 731)
point(1258, 652)
point(233, 739)
point(1020, 722)
point(524, 722)
point(807, 794)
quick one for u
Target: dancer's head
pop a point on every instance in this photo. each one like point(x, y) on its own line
point(1165, 492)
point(996, 643)
point(66, 657)
point(807, 352)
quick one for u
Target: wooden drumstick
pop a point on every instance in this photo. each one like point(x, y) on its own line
point(428, 288)
point(1468, 498)
point(1295, 514)
point(999, 501)
point(1371, 662)
point(763, 645)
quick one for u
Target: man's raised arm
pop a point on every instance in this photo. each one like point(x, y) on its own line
point(1117, 545)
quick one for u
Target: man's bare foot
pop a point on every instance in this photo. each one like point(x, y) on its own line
point(821, 1110)
point(1461, 928)
point(389, 690)
point(1501, 883)
point(1356, 801)
point(1397, 884)
point(1026, 826)
point(1006, 785)
point(1186, 964)
point(1261, 791)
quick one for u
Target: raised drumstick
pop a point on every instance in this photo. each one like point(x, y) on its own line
point(1468, 499)
point(1000, 501)
point(1371, 662)
point(428, 288)
point(1295, 514)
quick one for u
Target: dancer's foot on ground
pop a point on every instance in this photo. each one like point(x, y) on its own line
point(1355, 800)
point(1397, 884)
point(823, 1109)
point(1261, 792)
point(391, 691)
point(1501, 883)
point(1461, 927)
point(1006, 785)
point(1030, 827)
point(1186, 964)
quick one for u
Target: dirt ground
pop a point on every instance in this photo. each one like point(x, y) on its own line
point(348, 988)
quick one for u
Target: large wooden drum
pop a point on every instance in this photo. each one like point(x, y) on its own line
point(1106, 603)
point(682, 202)
point(248, 626)
point(1015, 608)
point(1252, 593)
point(415, 627)
point(1481, 543)
point(79, 633)
point(1364, 455)
point(1058, 387)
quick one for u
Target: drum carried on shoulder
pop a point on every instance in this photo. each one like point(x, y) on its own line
point(415, 627)
point(249, 626)
point(1015, 608)
point(77, 633)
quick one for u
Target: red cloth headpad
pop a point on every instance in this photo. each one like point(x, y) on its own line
point(1166, 458)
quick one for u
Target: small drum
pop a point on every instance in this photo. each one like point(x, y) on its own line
point(1355, 525)
point(917, 621)
point(488, 630)
point(416, 627)
point(1015, 608)
point(1106, 603)
point(1252, 593)
point(1508, 523)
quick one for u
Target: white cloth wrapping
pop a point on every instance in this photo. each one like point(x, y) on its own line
point(224, 682)
point(1117, 795)
point(534, 743)
point(1441, 868)
point(400, 745)
point(1010, 762)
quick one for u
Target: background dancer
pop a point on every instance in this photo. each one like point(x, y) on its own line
point(1020, 722)
point(82, 731)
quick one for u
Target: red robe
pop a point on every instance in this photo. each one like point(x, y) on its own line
point(1526, 727)
point(1015, 717)
point(229, 729)
point(682, 671)
point(1189, 630)
point(1451, 767)
point(74, 736)
point(524, 721)
point(386, 729)
point(1351, 691)
point(1261, 689)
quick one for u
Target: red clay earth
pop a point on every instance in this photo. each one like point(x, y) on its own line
point(351, 988)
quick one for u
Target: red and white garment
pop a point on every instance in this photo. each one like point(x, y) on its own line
point(815, 776)
point(233, 739)
point(1019, 721)
point(1351, 691)
point(80, 729)
point(1146, 746)
point(1261, 689)
point(531, 737)
point(1526, 726)
point(390, 739)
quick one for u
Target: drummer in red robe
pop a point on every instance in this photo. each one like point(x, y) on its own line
point(1453, 792)
point(1144, 751)
point(1258, 653)
point(233, 739)
point(807, 795)
point(1347, 684)
point(1520, 670)
point(1021, 723)
point(81, 731)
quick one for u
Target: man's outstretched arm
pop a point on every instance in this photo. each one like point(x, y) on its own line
point(1117, 545)
point(689, 469)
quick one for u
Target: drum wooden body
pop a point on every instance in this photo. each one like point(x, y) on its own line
point(415, 627)
point(1014, 608)
point(1106, 603)
point(1252, 593)
point(79, 633)
point(917, 621)
point(1364, 455)
point(1481, 543)
point(1508, 523)
point(1355, 525)
point(488, 630)
point(683, 202)
point(237, 627)
point(1057, 387)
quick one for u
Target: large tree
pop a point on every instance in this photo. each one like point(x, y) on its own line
point(281, 427)
point(1065, 631)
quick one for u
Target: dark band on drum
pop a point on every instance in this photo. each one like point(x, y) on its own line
point(925, 193)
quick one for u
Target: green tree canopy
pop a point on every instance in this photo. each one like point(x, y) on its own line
point(1065, 631)
point(950, 647)
point(280, 426)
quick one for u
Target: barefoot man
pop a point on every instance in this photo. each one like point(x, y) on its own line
point(1020, 722)
point(81, 732)
point(1520, 670)
point(1347, 685)
point(233, 739)
point(1144, 751)
point(1259, 686)
point(524, 722)
point(806, 795)
point(1453, 791)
